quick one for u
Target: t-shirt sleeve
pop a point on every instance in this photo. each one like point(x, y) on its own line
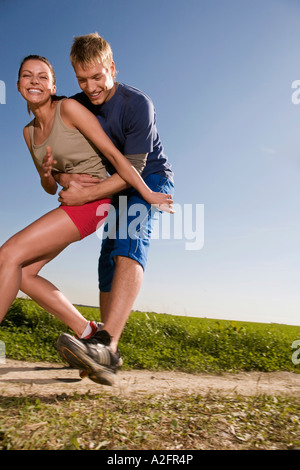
point(138, 161)
point(140, 131)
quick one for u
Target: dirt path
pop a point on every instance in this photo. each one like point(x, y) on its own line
point(18, 378)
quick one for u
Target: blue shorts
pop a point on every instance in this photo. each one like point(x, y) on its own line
point(128, 229)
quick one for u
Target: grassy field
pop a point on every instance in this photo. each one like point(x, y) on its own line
point(105, 422)
point(161, 342)
point(156, 342)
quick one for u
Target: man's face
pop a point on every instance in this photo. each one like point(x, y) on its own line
point(97, 82)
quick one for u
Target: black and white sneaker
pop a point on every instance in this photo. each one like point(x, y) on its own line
point(93, 355)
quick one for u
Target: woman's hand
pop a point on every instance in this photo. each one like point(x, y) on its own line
point(162, 201)
point(48, 163)
point(47, 180)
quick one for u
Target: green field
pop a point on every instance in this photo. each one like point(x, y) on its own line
point(108, 421)
point(161, 342)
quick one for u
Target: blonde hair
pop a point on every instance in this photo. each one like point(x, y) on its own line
point(91, 49)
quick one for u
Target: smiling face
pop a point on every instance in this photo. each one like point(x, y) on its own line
point(96, 81)
point(36, 82)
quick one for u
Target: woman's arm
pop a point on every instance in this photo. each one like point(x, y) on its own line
point(47, 181)
point(77, 116)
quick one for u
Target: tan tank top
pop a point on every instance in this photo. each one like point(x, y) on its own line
point(73, 152)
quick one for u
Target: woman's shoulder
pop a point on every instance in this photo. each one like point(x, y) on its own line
point(29, 124)
point(69, 104)
point(70, 108)
point(27, 128)
point(26, 133)
point(73, 113)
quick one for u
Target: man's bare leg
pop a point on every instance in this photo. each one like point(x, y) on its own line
point(104, 302)
point(116, 305)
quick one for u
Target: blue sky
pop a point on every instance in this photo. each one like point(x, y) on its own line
point(220, 74)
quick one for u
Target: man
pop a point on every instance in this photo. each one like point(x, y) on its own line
point(128, 117)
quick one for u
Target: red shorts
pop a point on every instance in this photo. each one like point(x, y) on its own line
point(85, 217)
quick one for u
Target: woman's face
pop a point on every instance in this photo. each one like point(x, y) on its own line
point(36, 82)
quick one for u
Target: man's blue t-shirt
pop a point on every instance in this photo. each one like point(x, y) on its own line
point(129, 119)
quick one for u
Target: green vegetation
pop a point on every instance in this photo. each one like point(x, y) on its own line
point(161, 342)
point(110, 421)
point(105, 422)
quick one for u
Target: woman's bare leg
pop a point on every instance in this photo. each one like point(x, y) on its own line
point(34, 246)
point(49, 297)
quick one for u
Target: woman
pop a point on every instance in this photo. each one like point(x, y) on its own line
point(74, 133)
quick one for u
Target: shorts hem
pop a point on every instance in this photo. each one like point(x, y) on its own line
point(131, 256)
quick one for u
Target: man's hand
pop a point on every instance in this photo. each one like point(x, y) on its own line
point(75, 195)
point(79, 194)
point(84, 180)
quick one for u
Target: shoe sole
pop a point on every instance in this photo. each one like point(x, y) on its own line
point(78, 359)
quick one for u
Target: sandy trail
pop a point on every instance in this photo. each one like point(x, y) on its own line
point(19, 378)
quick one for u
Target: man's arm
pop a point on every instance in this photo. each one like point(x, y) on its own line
point(64, 179)
point(74, 196)
point(77, 195)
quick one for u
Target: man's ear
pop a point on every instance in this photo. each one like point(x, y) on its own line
point(113, 69)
